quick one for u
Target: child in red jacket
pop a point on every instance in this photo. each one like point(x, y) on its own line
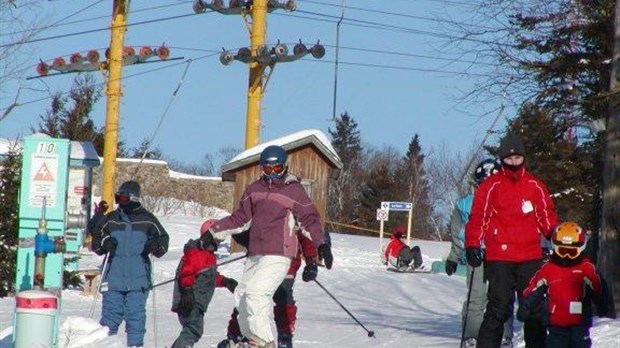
point(566, 283)
point(197, 278)
point(398, 254)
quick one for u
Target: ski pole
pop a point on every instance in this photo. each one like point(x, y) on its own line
point(154, 306)
point(104, 266)
point(200, 271)
point(370, 332)
point(471, 283)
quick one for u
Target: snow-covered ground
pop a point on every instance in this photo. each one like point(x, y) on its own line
point(403, 310)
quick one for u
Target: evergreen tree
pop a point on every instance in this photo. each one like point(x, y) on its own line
point(342, 200)
point(10, 175)
point(147, 151)
point(378, 187)
point(415, 188)
point(69, 116)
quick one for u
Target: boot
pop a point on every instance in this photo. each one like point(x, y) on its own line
point(285, 340)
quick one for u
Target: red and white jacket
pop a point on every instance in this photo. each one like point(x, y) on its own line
point(392, 250)
point(195, 260)
point(510, 212)
point(565, 290)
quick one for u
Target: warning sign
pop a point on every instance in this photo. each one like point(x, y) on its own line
point(43, 174)
point(43, 183)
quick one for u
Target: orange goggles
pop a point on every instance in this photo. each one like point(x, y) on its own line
point(567, 252)
point(275, 169)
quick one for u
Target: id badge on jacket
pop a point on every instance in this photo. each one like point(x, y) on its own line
point(527, 207)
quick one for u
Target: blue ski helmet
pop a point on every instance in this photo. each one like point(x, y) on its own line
point(485, 169)
point(273, 156)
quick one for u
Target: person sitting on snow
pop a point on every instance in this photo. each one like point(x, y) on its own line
point(196, 280)
point(399, 255)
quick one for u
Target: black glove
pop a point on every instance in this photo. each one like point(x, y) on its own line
point(310, 271)
point(152, 246)
point(109, 244)
point(230, 284)
point(242, 238)
point(325, 253)
point(101, 208)
point(187, 300)
point(473, 256)
point(451, 267)
point(207, 242)
point(523, 313)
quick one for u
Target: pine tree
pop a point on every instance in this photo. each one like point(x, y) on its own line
point(414, 187)
point(343, 192)
point(10, 174)
point(147, 151)
point(378, 187)
point(69, 116)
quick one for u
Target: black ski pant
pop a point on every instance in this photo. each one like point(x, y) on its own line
point(504, 278)
point(569, 337)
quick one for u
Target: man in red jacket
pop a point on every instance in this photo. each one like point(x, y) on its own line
point(511, 210)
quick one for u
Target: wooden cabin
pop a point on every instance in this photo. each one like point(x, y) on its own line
point(311, 157)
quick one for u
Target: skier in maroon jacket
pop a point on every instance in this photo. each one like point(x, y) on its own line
point(511, 210)
point(567, 283)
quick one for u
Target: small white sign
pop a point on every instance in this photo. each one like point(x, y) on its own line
point(383, 215)
point(43, 181)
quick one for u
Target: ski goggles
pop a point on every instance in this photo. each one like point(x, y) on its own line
point(125, 197)
point(567, 252)
point(273, 169)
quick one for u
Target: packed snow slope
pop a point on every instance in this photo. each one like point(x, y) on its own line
point(403, 310)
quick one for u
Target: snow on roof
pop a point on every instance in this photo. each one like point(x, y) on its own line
point(138, 160)
point(314, 136)
point(178, 175)
point(79, 149)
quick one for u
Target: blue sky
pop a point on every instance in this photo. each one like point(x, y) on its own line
point(390, 104)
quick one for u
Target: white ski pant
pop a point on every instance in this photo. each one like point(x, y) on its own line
point(262, 275)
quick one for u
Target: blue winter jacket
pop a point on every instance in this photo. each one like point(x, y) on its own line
point(138, 233)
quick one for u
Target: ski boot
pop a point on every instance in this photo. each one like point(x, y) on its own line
point(469, 343)
point(231, 342)
point(507, 342)
point(285, 340)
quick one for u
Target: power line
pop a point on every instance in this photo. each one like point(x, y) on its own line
point(75, 13)
point(393, 67)
point(397, 14)
point(454, 60)
point(57, 24)
point(389, 27)
point(150, 21)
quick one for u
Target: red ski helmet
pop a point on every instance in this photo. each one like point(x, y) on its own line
point(206, 226)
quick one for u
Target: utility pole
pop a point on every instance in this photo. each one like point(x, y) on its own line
point(113, 91)
point(610, 224)
point(255, 83)
point(259, 56)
